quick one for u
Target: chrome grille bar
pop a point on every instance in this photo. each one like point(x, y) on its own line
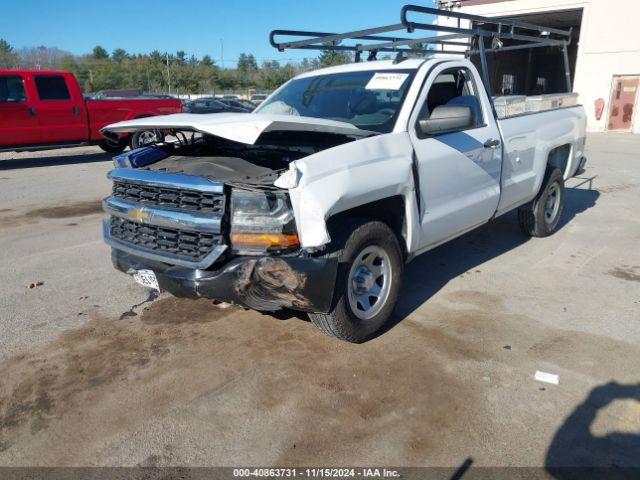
point(170, 180)
point(161, 218)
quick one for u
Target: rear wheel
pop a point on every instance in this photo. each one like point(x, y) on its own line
point(368, 282)
point(143, 138)
point(112, 147)
point(540, 217)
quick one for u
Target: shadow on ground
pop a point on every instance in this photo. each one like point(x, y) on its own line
point(431, 271)
point(32, 162)
point(575, 452)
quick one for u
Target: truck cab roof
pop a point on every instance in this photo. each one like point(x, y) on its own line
point(33, 72)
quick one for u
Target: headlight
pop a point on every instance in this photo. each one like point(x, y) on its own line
point(262, 222)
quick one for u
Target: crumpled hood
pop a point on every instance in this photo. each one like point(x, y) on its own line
point(239, 127)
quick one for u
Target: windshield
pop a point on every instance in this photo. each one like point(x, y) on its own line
point(370, 100)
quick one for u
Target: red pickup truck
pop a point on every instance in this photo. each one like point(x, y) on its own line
point(46, 109)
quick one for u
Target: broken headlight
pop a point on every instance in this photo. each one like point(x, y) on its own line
point(262, 222)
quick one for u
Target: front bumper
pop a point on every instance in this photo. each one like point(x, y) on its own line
point(259, 283)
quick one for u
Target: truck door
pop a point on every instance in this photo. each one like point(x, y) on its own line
point(60, 110)
point(459, 168)
point(18, 123)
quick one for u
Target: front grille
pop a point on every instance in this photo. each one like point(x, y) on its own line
point(169, 198)
point(182, 244)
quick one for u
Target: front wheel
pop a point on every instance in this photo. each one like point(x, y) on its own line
point(368, 282)
point(540, 217)
point(143, 138)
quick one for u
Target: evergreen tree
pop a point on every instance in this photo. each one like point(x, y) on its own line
point(100, 53)
point(119, 55)
point(8, 57)
point(329, 58)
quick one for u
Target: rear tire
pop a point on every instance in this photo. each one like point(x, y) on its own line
point(142, 138)
point(368, 281)
point(540, 217)
point(114, 148)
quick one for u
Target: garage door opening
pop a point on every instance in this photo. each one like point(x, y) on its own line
point(535, 71)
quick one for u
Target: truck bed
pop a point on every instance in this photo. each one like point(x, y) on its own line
point(103, 112)
point(529, 138)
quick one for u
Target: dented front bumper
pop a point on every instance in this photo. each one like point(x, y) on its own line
point(259, 283)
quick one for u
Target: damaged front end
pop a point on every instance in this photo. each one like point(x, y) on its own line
point(204, 215)
point(263, 283)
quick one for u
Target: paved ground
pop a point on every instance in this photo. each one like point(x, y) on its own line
point(89, 378)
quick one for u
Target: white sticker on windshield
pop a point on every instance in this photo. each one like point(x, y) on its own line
point(386, 81)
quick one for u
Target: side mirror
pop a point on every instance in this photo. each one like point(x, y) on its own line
point(447, 118)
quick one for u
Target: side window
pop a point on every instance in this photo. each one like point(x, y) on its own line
point(52, 87)
point(453, 87)
point(12, 89)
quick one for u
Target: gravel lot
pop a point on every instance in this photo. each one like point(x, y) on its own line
point(94, 373)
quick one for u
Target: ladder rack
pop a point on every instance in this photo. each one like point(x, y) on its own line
point(470, 41)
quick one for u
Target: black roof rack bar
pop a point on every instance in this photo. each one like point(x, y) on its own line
point(366, 48)
point(411, 27)
point(478, 19)
point(528, 38)
point(441, 39)
point(321, 37)
point(533, 36)
point(319, 40)
point(515, 47)
point(322, 40)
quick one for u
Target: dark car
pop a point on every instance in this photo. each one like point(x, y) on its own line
point(210, 105)
point(237, 103)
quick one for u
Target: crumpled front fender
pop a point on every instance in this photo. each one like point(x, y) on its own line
point(349, 176)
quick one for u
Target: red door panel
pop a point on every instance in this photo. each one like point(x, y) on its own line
point(18, 123)
point(60, 110)
point(623, 99)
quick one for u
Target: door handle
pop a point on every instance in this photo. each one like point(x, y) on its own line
point(32, 111)
point(492, 143)
point(76, 110)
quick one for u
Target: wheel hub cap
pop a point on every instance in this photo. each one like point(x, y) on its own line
point(369, 282)
point(551, 204)
point(363, 280)
point(147, 137)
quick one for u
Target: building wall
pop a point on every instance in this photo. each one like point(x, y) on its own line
point(609, 45)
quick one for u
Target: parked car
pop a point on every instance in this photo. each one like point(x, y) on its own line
point(211, 105)
point(317, 200)
point(248, 104)
point(258, 98)
point(237, 104)
point(46, 109)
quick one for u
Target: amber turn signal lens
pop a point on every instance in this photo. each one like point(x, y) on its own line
point(265, 240)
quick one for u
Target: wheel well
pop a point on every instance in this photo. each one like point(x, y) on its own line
point(559, 157)
point(389, 210)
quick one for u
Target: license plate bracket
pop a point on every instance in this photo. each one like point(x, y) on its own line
point(147, 278)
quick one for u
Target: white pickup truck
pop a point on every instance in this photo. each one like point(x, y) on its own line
point(317, 200)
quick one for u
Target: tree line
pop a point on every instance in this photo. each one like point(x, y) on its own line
point(162, 71)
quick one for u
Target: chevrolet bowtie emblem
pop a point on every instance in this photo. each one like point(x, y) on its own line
point(139, 215)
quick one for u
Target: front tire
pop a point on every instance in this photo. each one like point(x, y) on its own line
point(540, 217)
point(368, 281)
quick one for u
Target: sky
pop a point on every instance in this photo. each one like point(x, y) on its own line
point(222, 29)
